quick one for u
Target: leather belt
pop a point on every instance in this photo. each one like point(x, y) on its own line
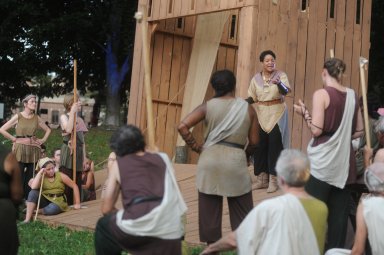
point(138, 200)
point(229, 144)
point(54, 195)
point(271, 102)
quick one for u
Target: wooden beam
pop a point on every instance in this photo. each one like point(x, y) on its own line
point(209, 28)
point(247, 51)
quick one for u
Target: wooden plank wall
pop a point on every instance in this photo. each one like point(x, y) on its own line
point(167, 9)
point(301, 32)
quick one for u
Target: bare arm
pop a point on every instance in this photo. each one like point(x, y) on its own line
point(11, 166)
point(9, 124)
point(112, 190)
point(315, 122)
point(37, 180)
point(361, 232)
point(66, 123)
point(190, 121)
point(47, 130)
point(67, 181)
point(226, 243)
point(90, 179)
point(359, 125)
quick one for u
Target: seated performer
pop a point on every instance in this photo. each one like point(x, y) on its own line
point(291, 224)
point(53, 200)
point(370, 217)
point(88, 192)
point(150, 221)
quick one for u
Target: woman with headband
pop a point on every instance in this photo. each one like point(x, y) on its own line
point(26, 145)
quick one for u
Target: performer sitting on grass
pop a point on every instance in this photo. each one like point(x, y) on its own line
point(291, 224)
point(53, 200)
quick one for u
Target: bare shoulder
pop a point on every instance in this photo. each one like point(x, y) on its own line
point(379, 157)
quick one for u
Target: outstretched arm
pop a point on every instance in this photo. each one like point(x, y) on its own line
point(112, 189)
point(67, 181)
point(226, 243)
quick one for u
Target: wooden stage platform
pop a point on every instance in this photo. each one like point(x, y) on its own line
point(85, 219)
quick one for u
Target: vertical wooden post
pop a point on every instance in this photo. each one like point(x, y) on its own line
point(74, 154)
point(141, 18)
point(363, 62)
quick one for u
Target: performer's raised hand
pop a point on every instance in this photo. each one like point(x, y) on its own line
point(300, 107)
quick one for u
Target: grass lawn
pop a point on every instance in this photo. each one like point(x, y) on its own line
point(38, 238)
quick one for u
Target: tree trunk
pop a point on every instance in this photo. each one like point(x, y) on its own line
point(112, 118)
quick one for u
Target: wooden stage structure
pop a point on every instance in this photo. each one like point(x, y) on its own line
point(85, 219)
point(190, 39)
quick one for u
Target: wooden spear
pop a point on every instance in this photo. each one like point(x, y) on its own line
point(74, 152)
point(141, 18)
point(363, 62)
point(332, 53)
point(41, 190)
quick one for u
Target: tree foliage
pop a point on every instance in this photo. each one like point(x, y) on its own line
point(44, 36)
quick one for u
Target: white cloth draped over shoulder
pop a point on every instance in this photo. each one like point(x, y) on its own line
point(373, 208)
point(373, 211)
point(277, 226)
point(230, 123)
point(165, 220)
point(330, 160)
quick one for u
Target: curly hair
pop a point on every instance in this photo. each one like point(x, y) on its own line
point(222, 82)
point(127, 139)
point(265, 53)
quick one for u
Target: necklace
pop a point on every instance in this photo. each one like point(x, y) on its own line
point(266, 84)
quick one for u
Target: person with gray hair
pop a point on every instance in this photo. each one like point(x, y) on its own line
point(370, 217)
point(295, 221)
point(377, 155)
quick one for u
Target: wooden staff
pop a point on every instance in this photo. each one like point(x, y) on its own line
point(41, 189)
point(363, 62)
point(74, 153)
point(142, 19)
point(332, 53)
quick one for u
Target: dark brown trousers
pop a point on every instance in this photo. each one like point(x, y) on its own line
point(211, 211)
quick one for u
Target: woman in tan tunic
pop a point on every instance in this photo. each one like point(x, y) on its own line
point(230, 123)
point(26, 145)
point(268, 89)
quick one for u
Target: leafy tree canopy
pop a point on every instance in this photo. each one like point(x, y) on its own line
point(44, 36)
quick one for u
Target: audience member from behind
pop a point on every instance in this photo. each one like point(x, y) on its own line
point(53, 200)
point(11, 194)
point(88, 192)
point(150, 221)
point(291, 224)
point(370, 217)
point(371, 153)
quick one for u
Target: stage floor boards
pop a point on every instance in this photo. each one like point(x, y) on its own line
point(185, 174)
